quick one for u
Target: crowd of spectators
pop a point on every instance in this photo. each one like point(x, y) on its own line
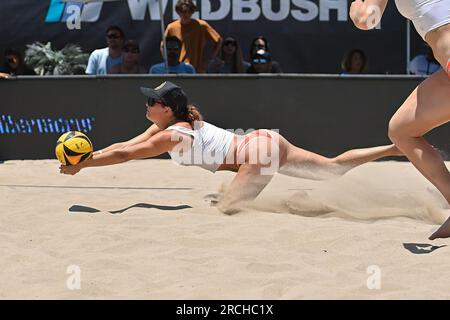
point(186, 43)
point(186, 40)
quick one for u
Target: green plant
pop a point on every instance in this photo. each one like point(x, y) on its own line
point(46, 61)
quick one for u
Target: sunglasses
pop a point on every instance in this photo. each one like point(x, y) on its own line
point(260, 61)
point(131, 50)
point(227, 43)
point(113, 36)
point(151, 102)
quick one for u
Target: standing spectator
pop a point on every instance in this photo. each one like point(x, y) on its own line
point(354, 62)
point(102, 60)
point(424, 64)
point(130, 63)
point(230, 59)
point(173, 59)
point(261, 62)
point(194, 35)
point(14, 65)
point(259, 43)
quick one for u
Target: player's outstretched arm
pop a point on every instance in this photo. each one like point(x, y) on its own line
point(367, 14)
point(156, 145)
point(152, 130)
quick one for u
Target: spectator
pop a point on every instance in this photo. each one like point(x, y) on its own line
point(130, 63)
point(194, 35)
point(261, 62)
point(230, 59)
point(173, 59)
point(102, 60)
point(424, 64)
point(259, 43)
point(14, 65)
point(354, 62)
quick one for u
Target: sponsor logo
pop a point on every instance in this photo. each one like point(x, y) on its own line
point(211, 10)
point(43, 125)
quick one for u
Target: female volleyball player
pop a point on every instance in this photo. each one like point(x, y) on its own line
point(178, 129)
point(428, 106)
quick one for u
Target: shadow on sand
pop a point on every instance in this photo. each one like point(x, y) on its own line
point(84, 209)
point(421, 248)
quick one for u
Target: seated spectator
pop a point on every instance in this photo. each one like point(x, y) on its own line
point(261, 43)
point(261, 62)
point(424, 64)
point(229, 60)
point(354, 62)
point(101, 61)
point(130, 63)
point(173, 45)
point(14, 65)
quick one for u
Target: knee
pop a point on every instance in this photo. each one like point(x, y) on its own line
point(395, 131)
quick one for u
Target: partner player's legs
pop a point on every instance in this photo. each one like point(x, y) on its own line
point(426, 108)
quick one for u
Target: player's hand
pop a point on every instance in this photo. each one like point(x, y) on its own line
point(72, 170)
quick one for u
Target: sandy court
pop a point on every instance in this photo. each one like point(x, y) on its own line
point(164, 240)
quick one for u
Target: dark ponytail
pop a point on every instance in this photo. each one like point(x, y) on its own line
point(189, 114)
point(193, 114)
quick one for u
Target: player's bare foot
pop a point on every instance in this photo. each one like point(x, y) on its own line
point(442, 232)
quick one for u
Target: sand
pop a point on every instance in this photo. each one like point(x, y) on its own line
point(143, 230)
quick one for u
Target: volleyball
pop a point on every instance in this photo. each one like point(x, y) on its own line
point(73, 147)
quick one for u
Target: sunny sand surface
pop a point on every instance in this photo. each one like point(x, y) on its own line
point(165, 241)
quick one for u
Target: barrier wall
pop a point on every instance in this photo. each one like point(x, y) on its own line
point(324, 114)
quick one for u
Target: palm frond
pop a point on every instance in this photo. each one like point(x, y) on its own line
point(46, 61)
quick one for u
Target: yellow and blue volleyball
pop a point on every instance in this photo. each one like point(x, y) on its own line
point(73, 147)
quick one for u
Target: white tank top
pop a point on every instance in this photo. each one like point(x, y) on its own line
point(209, 147)
point(426, 15)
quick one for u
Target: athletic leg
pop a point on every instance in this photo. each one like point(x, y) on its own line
point(426, 108)
point(258, 158)
point(308, 165)
point(246, 186)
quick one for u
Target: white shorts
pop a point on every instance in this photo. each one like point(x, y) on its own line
point(426, 15)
